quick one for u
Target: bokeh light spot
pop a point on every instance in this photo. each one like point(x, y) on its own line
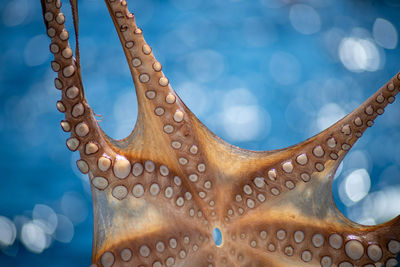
point(304, 19)
point(16, 12)
point(33, 237)
point(65, 229)
point(385, 34)
point(359, 55)
point(355, 186)
point(45, 217)
point(8, 232)
point(245, 122)
point(74, 207)
point(328, 115)
point(36, 51)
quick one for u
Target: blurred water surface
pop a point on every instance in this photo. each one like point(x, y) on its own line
point(262, 74)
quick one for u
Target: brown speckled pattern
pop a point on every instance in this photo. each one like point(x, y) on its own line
point(159, 193)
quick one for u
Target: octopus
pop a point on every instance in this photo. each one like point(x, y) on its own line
point(174, 194)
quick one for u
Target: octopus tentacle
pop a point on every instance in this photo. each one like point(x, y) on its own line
point(86, 136)
point(285, 239)
point(186, 240)
point(279, 172)
point(297, 187)
point(160, 110)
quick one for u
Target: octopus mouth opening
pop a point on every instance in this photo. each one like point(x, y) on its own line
point(217, 235)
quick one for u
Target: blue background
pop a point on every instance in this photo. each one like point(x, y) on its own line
point(282, 68)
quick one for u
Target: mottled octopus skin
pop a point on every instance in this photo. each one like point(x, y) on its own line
point(159, 193)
